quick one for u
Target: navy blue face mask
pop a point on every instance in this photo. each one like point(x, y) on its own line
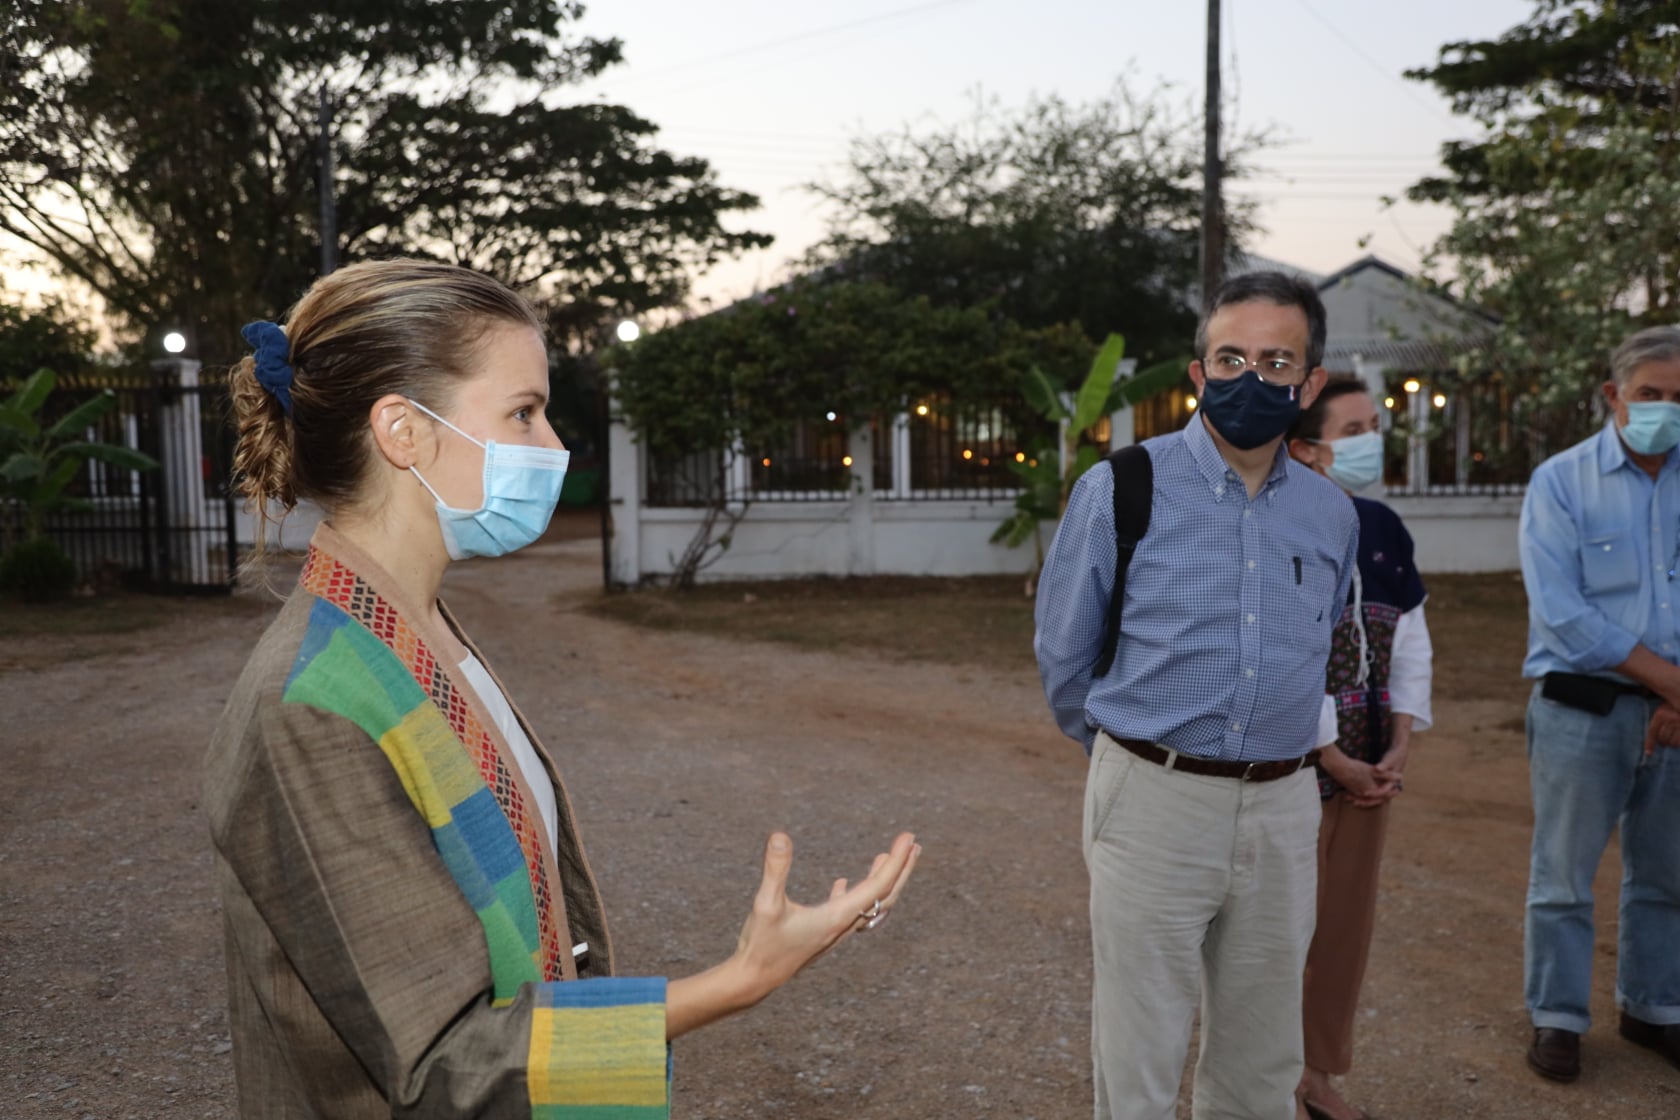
point(1247, 411)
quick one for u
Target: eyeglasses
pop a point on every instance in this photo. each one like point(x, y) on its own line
point(1273, 371)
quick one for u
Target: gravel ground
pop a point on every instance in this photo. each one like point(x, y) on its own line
point(682, 751)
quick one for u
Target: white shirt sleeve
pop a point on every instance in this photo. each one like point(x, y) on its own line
point(1327, 721)
point(1410, 669)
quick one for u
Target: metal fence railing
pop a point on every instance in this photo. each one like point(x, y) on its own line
point(173, 528)
point(933, 450)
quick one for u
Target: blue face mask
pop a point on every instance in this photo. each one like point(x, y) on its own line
point(521, 486)
point(1653, 426)
point(1247, 411)
point(1358, 460)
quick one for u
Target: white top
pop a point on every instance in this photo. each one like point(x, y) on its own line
point(536, 778)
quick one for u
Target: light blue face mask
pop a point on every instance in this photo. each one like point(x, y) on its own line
point(1653, 426)
point(521, 486)
point(1357, 462)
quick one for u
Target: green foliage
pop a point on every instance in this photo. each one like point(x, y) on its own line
point(1045, 486)
point(753, 371)
point(40, 458)
point(37, 571)
point(32, 340)
point(1567, 207)
point(166, 154)
point(1057, 213)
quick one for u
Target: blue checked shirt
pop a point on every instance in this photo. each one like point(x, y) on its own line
point(1230, 603)
point(1599, 538)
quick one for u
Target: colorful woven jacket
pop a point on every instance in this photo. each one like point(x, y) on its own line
point(372, 978)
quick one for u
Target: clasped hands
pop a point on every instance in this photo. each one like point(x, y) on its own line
point(1365, 785)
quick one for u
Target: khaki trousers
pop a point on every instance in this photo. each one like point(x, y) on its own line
point(1350, 844)
point(1201, 888)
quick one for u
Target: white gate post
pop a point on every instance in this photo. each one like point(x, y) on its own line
point(182, 444)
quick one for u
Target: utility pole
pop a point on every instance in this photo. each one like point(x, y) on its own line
point(1213, 210)
point(329, 205)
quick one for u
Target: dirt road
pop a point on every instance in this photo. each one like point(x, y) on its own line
point(681, 752)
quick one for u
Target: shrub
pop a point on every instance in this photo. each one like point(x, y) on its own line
point(37, 571)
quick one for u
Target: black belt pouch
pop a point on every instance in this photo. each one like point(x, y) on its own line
point(1581, 691)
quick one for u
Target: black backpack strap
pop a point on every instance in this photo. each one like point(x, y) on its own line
point(1134, 491)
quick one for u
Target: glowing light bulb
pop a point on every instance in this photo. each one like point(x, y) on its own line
point(1412, 385)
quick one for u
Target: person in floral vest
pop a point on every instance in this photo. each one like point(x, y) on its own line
point(1379, 678)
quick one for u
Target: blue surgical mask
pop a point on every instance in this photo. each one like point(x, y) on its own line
point(1247, 411)
point(1653, 426)
point(1358, 460)
point(521, 486)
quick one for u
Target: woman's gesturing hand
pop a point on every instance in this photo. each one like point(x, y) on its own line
point(781, 936)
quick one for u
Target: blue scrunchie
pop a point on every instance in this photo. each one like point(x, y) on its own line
point(274, 372)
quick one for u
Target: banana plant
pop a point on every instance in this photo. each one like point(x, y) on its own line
point(1045, 484)
point(38, 461)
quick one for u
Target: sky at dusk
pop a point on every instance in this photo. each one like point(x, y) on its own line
point(771, 92)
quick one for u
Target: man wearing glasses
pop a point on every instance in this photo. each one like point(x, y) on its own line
point(1600, 538)
point(1201, 804)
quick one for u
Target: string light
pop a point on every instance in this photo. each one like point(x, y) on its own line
point(1440, 400)
point(832, 417)
point(846, 462)
point(767, 461)
point(1020, 456)
point(1190, 403)
point(921, 410)
point(1412, 385)
point(1388, 402)
point(967, 454)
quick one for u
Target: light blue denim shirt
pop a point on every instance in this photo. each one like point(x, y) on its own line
point(1599, 538)
point(1230, 603)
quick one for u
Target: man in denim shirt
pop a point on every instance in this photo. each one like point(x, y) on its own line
point(1201, 806)
point(1600, 547)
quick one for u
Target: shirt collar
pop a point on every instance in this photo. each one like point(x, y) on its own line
point(1613, 453)
point(1216, 472)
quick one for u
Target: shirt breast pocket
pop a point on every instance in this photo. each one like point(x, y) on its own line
point(1608, 563)
point(1315, 583)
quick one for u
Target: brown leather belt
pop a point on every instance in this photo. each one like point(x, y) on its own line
point(1215, 768)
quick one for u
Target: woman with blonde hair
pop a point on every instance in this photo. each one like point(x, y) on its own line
point(412, 927)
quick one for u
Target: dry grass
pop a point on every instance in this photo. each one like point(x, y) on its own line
point(978, 620)
point(1478, 622)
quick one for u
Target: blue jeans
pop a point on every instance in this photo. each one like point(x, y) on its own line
point(1588, 774)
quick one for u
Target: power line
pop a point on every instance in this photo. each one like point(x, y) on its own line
point(1410, 90)
point(772, 44)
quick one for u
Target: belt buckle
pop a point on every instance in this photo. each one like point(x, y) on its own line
point(1248, 772)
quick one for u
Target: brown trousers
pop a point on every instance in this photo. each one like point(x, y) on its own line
point(1350, 843)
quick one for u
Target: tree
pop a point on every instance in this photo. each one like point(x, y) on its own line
point(45, 339)
point(166, 154)
point(1058, 213)
point(743, 379)
point(1566, 209)
point(1047, 477)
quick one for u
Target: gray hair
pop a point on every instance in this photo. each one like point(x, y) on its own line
point(1270, 287)
point(1653, 344)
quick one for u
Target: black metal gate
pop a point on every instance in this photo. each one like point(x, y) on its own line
point(171, 529)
